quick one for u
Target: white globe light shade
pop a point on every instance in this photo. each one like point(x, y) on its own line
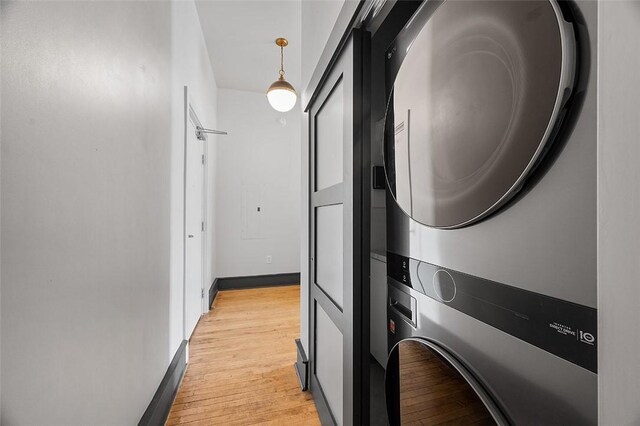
point(282, 96)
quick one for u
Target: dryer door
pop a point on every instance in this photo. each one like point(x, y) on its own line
point(479, 90)
point(427, 385)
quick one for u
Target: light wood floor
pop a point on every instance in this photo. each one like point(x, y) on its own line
point(241, 360)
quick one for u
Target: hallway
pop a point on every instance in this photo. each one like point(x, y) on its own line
point(241, 360)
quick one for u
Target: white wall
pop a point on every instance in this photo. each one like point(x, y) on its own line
point(85, 210)
point(191, 67)
point(618, 212)
point(258, 150)
point(91, 119)
point(318, 19)
point(1, 20)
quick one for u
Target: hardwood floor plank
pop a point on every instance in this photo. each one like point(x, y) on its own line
point(241, 358)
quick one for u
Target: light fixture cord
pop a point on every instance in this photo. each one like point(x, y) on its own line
point(281, 62)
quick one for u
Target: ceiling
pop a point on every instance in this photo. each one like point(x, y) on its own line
point(240, 37)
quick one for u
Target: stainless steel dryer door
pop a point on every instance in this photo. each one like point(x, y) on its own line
point(479, 89)
point(427, 385)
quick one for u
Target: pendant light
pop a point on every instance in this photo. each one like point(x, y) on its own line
point(281, 94)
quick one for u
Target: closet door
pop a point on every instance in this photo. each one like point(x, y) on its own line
point(335, 238)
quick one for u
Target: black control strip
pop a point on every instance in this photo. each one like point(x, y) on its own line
point(563, 328)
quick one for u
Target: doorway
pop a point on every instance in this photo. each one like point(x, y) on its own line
point(195, 213)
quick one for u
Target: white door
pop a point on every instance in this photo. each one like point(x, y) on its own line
point(194, 226)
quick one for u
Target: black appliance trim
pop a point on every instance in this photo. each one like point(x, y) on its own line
point(565, 329)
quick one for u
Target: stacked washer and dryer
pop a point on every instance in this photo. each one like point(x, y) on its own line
point(490, 156)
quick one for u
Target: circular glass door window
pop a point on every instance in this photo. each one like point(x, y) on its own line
point(426, 385)
point(478, 92)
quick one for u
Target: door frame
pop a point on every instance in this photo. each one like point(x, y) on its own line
point(191, 115)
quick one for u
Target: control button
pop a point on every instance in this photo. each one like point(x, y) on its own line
point(405, 278)
point(405, 264)
point(444, 286)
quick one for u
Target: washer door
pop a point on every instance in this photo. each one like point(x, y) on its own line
point(427, 385)
point(479, 89)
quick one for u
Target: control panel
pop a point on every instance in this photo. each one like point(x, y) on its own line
point(563, 328)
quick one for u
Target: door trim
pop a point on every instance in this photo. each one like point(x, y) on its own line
point(190, 115)
point(205, 157)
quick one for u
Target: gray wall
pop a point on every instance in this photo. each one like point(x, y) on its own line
point(86, 147)
point(619, 212)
